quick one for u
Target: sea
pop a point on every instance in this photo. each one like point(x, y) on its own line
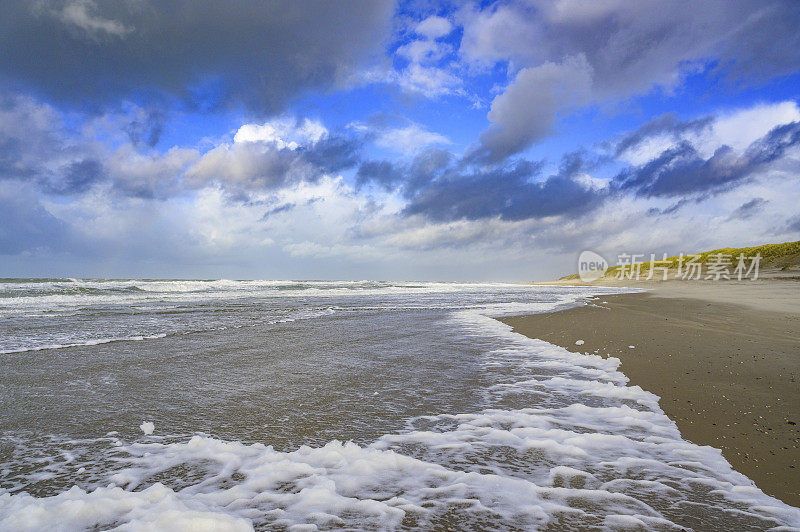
point(220, 405)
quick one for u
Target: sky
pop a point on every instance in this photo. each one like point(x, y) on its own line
point(419, 140)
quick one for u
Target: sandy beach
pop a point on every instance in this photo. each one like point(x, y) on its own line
point(723, 357)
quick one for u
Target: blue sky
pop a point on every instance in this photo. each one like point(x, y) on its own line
point(419, 140)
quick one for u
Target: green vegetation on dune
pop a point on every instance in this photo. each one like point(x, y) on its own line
point(779, 256)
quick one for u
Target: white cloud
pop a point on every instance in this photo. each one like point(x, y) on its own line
point(737, 129)
point(78, 13)
point(284, 132)
point(431, 71)
point(410, 139)
point(434, 27)
point(497, 34)
point(741, 128)
point(429, 81)
point(149, 173)
point(424, 51)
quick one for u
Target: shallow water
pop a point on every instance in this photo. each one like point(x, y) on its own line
point(333, 405)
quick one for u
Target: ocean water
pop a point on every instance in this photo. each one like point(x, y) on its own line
point(333, 405)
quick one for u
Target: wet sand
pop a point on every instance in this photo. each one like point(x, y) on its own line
point(726, 373)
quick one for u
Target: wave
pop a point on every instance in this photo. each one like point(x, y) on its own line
point(94, 341)
point(297, 316)
point(592, 453)
point(21, 287)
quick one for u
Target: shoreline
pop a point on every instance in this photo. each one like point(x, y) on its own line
point(727, 373)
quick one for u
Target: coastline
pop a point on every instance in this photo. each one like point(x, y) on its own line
point(727, 373)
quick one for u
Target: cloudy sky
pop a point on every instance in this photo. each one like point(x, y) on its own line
point(376, 140)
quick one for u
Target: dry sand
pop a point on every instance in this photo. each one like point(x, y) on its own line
point(726, 372)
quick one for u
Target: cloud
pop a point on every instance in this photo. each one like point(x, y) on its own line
point(25, 225)
point(749, 209)
point(430, 81)
point(260, 159)
point(79, 14)
point(508, 193)
point(285, 132)
point(31, 134)
point(76, 177)
point(614, 50)
point(423, 51)
point(736, 129)
point(37, 147)
point(409, 177)
point(740, 128)
point(268, 196)
point(434, 27)
point(206, 54)
point(793, 225)
point(146, 128)
point(633, 46)
point(426, 61)
point(526, 112)
point(409, 139)
point(149, 175)
point(682, 170)
point(384, 173)
point(667, 125)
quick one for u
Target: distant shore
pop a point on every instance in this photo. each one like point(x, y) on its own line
point(724, 358)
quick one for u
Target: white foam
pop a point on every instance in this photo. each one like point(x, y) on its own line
point(343, 485)
point(338, 485)
point(94, 341)
point(147, 427)
point(154, 508)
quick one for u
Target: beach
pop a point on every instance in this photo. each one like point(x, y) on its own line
point(723, 357)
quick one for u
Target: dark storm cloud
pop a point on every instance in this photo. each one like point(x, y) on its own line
point(682, 171)
point(443, 188)
point(410, 177)
point(609, 51)
point(88, 53)
point(506, 192)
